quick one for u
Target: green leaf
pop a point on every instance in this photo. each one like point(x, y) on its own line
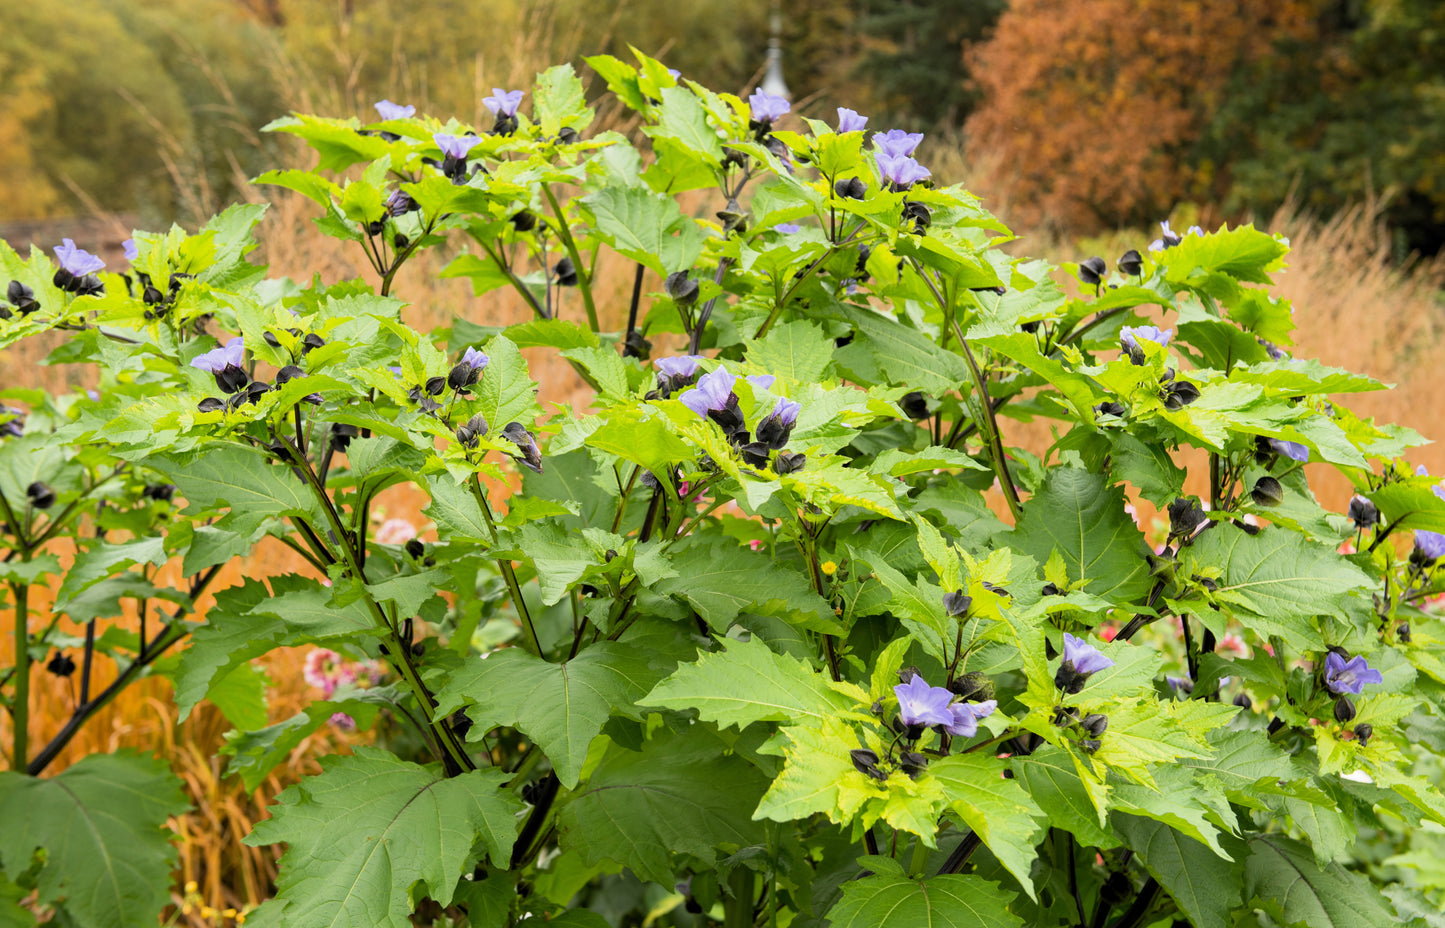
point(101, 824)
point(1082, 516)
point(1204, 885)
point(101, 561)
point(889, 899)
point(749, 683)
point(1052, 779)
point(1411, 503)
point(651, 443)
point(241, 696)
point(254, 754)
point(647, 227)
point(506, 392)
point(885, 351)
point(1281, 877)
point(1006, 818)
point(818, 776)
point(797, 351)
point(1243, 253)
point(721, 579)
point(1023, 348)
point(239, 480)
point(558, 101)
point(682, 120)
point(561, 707)
point(680, 794)
point(1284, 579)
point(370, 825)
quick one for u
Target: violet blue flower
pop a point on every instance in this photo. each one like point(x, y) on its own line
point(1350, 676)
point(1180, 684)
point(684, 366)
point(467, 370)
point(1130, 335)
point(1429, 546)
point(900, 170)
point(1169, 238)
point(850, 121)
point(966, 716)
point(131, 251)
point(399, 203)
point(766, 107)
point(1290, 449)
point(761, 381)
point(775, 429)
point(674, 73)
point(531, 456)
point(503, 102)
point(456, 146)
point(388, 110)
point(713, 393)
point(921, 704)
point(897, 143)
point(225, 365)
point(787, 228)
point(1081, 661)
point(76, 260)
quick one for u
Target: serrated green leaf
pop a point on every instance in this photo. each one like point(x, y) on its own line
point(370, 825)
point(720, 580)
point(747, 682)
point(561, 707)
point(1204, 885)
point(891, 900)
point(1281, 877)
point(240, 481)
point(102, 826)
point(1052, 779)
point(558, 101)
point(797, 351)
point(647, 227)
point(1006, 818)
point(680, 794)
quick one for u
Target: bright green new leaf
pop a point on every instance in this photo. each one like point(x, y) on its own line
point(889, 899)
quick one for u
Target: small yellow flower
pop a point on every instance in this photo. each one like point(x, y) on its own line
point(229, 913)
point(191, 886)
point(829, 568)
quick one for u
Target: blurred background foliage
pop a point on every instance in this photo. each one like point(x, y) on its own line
point(1080, 115)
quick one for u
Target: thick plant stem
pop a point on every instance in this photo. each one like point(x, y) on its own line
point(20, 712)
point(401, 650)
point(738, 909)
point(1136, 914)
point(508, 573)
point(995, 439)
point(565, 234)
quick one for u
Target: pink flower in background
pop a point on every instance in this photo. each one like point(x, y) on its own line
point(395, 532)
point(325, 670)
point(1233, 644)
point(756, 544)
point(343, 721)
point(1346, 547)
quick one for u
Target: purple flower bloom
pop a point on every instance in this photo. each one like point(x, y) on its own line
point(1170, 238)
point(713, 393)
point(218, 359)
point(1084, 657)
point(900, 170)
point(1180, 684)
point(966, 716)
point(474, 359)
point(503, 102)
point(684, 366)
point(389, 110)
point(766, 107)
point(674, 73)
point(454, 146)
point(399, 203)
point(77, 261)
point(761, 381)
point(1290, 449)
point(1130, 336)
point(775, 428)
point(467, 370)
point(131, 251)
point(897, 143)
point(921, 704)
point(850, 121)
point(787, 228)
point(1429, 545)
point(1350, 676)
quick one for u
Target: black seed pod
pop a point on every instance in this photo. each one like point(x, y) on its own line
point(1050, 589)
point(789, 462)
point(1110, 409)
point(1344, 710)
point(1363, 733)
point(287, 374)
point(1090, 745)
point(1185, 515)
point(211, 404)
point(152, 296)
point(1092, 271)
point(972, 687)
point(40, 494)
point(415, 548)
point(913, 763)
point(906, 674)
point(473, 429)
point(1362, 512)
point(680, 288)
point(1180, 394)
point(921, 216)
point(1065, 716)
point(957, 603)
point(1244, 702)
point(566, 272)
point(160, 492)
point(1267, 492)
point(342, 434)
point(61, 664)
point(518, 435)
point(851, 188)
point(863, 759)
point(1131, 263)
point(914, 405)
point(22, 298)
point(1095, 724)
point(1403, 632)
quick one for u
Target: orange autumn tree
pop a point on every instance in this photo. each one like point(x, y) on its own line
point(1090, 107)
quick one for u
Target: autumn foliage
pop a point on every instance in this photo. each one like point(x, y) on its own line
point(1091, 106)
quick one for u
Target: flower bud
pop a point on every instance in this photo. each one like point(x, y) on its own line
point(40, 494)
point(287, 374)
point(913, 763)
point(972, 687)
point(1344, 709)
point(473, 429)
point(636, 346)
point(1090, 745)
point(1131, 263)
point(566, 272)
point(914, 405)
point(789, 462)
point(1110, 409)
point(1267, 492)
point(1092, 271)
point(863, 759)
point(921, 216)
point(310, 342)
point(1362, 512)
point(152, 296)
point(518, 435)
point(851, 188)
point(1050, 589)
point(1185, 517)
point(1095, 724)
point(342, 434)
point(1180, 394)
point(1363, 732)
point(680, 288)
point(22, 298)
point(957, 604)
